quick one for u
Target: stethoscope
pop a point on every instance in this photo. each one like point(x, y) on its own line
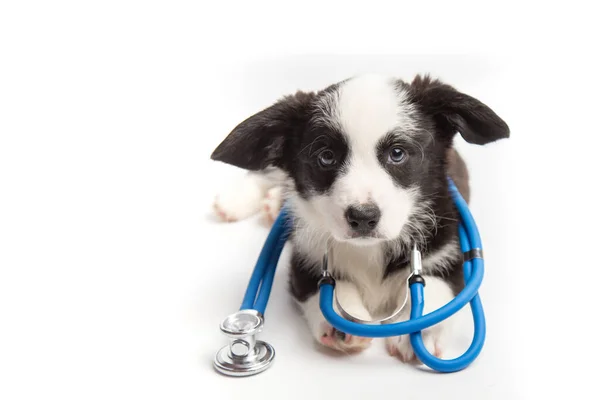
point(245, 355)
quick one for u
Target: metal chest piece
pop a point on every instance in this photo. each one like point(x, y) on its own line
point(244, 356)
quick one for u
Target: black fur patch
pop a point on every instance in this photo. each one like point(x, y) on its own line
point(303, 280)
point(301, 157)
point(414, 166)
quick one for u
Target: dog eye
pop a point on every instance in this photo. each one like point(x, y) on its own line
point(396, 154)
point(326, 158)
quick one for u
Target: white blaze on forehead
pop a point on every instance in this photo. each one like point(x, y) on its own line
point(369, 107)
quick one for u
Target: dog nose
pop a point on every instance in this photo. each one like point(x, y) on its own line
point(363, 218)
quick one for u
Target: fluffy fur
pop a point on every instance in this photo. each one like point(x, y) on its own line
point(363, 166)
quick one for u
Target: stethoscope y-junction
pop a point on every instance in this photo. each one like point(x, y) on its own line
point(245, 355)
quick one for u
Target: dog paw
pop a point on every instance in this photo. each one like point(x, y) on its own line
point(400, 347)
point(239, 201)
point(271, 205)
point(340, 341)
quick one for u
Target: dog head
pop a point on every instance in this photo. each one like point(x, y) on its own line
point(365, 155)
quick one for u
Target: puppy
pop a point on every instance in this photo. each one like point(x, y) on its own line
point(363, 167)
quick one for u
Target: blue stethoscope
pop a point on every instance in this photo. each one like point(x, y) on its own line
point(245, 355)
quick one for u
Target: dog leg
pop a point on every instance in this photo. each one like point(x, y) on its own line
point(437, 293)
point(243, 198)
point(327, 335)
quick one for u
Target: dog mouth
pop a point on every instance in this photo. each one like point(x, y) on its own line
point(364, 239)
point(370, 235)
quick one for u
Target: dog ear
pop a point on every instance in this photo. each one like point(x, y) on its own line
point(458, 112)
point(258, 142)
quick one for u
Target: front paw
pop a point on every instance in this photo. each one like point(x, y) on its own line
point(400, 347)
point(340, 341)
point(239, 201)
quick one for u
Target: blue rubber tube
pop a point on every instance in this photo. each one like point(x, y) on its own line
point(416, 339)
point(265, 259)
point(267, 282)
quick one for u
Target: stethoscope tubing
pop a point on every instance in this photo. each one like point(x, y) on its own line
point(260, 284)
point(479, 328)
point(261, 281)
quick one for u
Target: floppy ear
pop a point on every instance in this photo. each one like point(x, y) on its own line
point(258, 142)
point(458, 112)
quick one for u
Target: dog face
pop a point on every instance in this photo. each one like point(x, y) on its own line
point(360, 160)
point(364, 156)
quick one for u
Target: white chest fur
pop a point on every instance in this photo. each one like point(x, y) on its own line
point(365, 267)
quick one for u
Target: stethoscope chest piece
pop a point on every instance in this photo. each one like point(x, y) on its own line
point(244, 356)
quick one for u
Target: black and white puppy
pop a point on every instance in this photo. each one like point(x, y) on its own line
point(363, 166)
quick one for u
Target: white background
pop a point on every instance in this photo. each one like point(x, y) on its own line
point(114, 275)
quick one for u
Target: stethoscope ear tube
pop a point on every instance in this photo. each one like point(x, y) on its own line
point(470, 244)
point(264, 270)
point(479, 328)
